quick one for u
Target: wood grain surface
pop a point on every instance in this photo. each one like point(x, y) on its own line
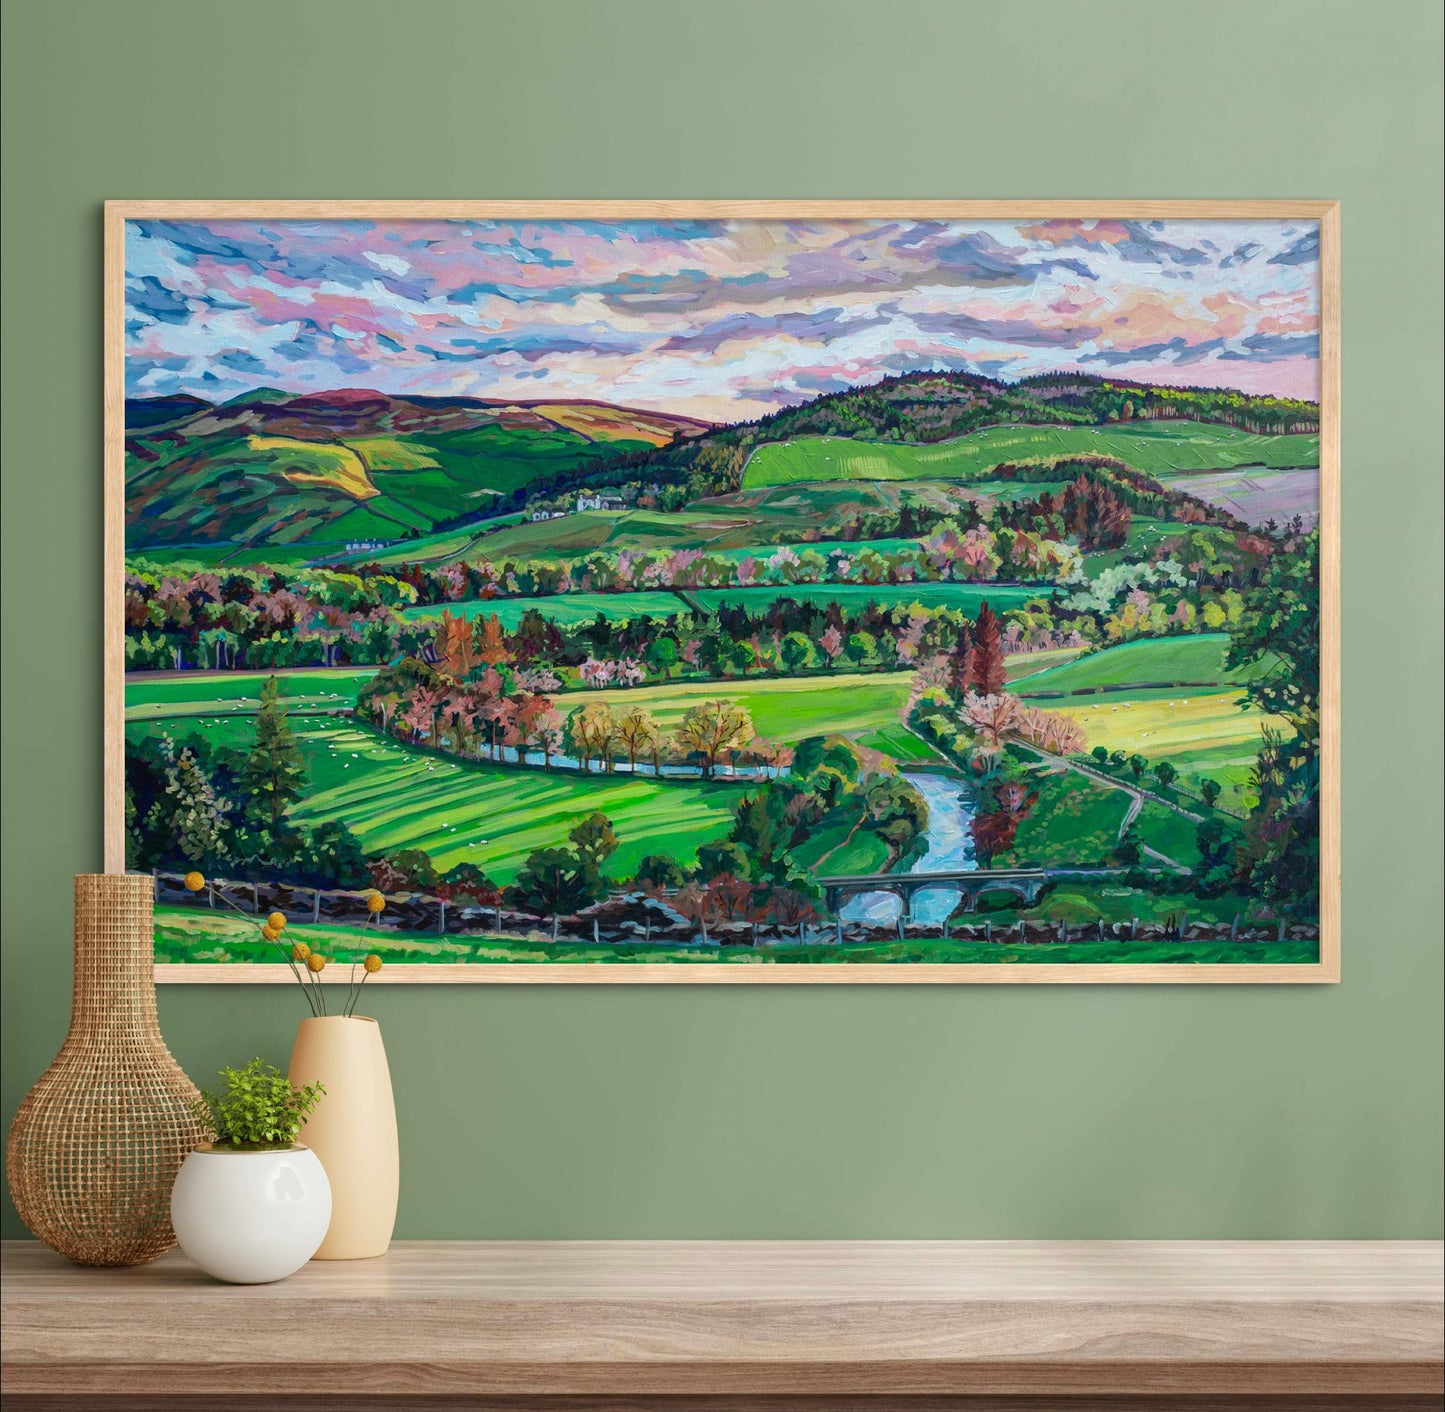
point(746, 1324)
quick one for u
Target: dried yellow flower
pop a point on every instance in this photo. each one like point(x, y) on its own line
point(277, 920)
point(372, 964)
point(300, 952)
point(194, 882)
point(270, 933)
point(316, 962)
point(375, 903)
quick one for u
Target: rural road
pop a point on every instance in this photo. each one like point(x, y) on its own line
point(1136, 795)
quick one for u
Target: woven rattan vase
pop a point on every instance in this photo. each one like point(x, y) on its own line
point(98, 1141)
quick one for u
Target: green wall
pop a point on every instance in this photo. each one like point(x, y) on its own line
point(842, 1111)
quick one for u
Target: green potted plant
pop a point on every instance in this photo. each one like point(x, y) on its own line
point(252, 1205)
point(353, 1132)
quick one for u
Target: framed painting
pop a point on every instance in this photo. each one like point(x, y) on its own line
point(727, 591)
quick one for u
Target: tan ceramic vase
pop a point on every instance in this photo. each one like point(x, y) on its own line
point(99, 1139)
point(352, 1131)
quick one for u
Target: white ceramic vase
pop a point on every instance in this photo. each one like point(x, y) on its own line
point(352, 1130)
point(251, 1217)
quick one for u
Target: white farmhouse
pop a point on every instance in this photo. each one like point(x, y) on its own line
point(599, 502)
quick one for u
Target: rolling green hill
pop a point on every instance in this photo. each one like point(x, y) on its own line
point(272, 471)
point(1152, 447)
point(1194, 659)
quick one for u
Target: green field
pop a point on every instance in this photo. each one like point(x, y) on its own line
point(962, 597)
point(564, 609)
point(782, 708)
point(394, 797)
point(577, 534)
point(1208, 731)
point(1075, 822)
point(196, 934)
point(1167, 832)
point(154, 694)
point(902, 744)
point(1195, 658)
point(1020, 665)
point(569, 609)
point(728, 536)
point(189, 558)
point(438, 547)
point(1213, 735)
point(1153, 447)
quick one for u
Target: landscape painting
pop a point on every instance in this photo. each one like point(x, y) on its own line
point(746, 594)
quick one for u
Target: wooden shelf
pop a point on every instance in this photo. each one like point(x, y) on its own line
point(721, 1325)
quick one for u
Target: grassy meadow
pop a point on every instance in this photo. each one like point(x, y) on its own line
point(395, 796)
point(1133, 698)
point(459, 811)
point(1156, 447)
point(155, 695)
point(961, 597)
point(564, 609)
point(1195, 659)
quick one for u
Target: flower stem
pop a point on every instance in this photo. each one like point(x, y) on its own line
point(241, 912)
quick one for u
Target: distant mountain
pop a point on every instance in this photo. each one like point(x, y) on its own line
point(144, 412)
point(930, 407)
point(271, 468)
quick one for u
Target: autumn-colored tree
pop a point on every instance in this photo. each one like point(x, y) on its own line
point(528, 717)
point(986, 660)
point(995, 828)
point(993, 716)
point(454, 647)
point(712, 727)
point(787, 907)
point(734, 897)
point(459, 711)
point(1095, 515)
point(699, 905)
point(590, 734)
point(639, 733)
point(1055, 731)
point(497, 713)
point(491, 642)
point(423, 714)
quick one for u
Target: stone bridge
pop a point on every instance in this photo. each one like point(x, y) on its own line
point(972, 883)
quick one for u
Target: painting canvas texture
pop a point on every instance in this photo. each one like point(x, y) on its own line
point(764, 593)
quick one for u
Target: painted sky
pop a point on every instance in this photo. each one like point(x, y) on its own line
point(723, 320)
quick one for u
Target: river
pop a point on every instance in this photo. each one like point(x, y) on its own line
point(949, 847)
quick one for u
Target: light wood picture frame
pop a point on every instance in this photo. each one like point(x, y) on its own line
point(226, 313)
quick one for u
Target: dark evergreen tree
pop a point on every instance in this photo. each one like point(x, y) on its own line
point(273, 775)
